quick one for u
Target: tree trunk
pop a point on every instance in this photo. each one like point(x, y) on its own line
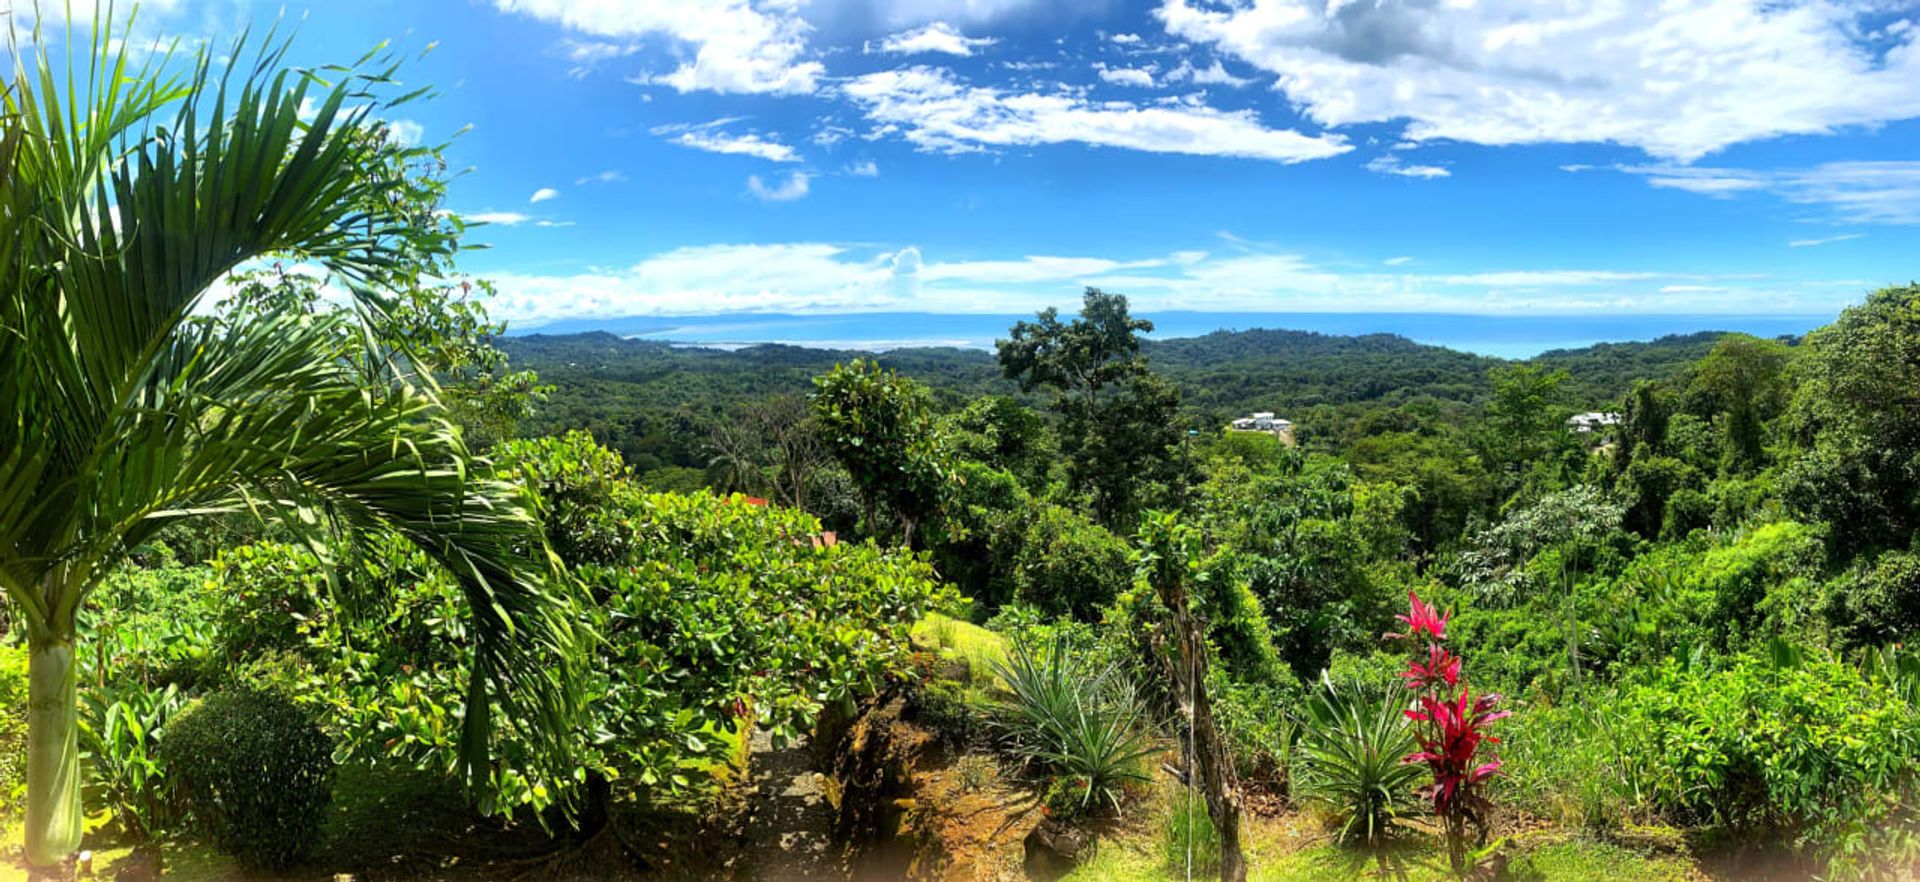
point(598, 811)
point(53, 752)
point(1210, 761)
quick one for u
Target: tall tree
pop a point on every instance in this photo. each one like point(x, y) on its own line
point(1120, 423)
point(771, 445)
point(1082, 358)
point(1744, 381)
point(125, 197)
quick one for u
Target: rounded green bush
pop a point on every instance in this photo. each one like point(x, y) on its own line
point(255, 772)
point(1069, 565)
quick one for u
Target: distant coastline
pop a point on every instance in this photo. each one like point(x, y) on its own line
point(1504, 336)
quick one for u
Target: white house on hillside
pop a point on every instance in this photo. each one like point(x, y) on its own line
point(1264, 421)
point(1592, 421)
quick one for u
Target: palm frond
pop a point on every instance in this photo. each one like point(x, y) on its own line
point(121, 409)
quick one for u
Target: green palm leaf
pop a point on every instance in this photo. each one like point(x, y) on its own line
point(122, 409)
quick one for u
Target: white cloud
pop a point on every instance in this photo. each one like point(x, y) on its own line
point(1397, 261)
point(594, 51)
point(821, 277)
point(1126, 39)
point(1690, 289)
point(1676, 79)
point(497, 218)
point(933, 110)
point(1859, 192)
point(1825, 240)
point(405, 132)
point(713, 279)
point(1126, 76)
point(609, 176)
point(936, 37)
point(511, 219)
point(1213, 75)
point(543, 194)
point(1389, 164)
point(1029, 270)
point(729, 45)
point(903, 13)
point(864, 169)
point(707, 137)
point(1543, 278)
point(588, 55)
point(794, 187)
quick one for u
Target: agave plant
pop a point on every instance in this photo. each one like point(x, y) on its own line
point(1350, 759)
point(1083, 722)
point(126, 192)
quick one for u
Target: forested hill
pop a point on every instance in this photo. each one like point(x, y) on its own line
point(1606, 371)
point(600, 375)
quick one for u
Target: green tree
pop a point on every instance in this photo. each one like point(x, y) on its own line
point(1744, 381)
point(1120, 423)
point(120, 411)
point(1004, 434)
point(879, 426)
point(1319, 549)
point(1574, 523)
point(1856, 419)
point(1099, 349)
point(1643, 422)
point(1524, 423)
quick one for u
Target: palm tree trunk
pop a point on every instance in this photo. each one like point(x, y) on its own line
point(53, 751)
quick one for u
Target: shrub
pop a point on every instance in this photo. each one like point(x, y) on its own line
point(1069, 565)
point(1086, 724)
point(1349, 760)
point(1878, 603)
point(255, 772)
point(13, 730)
point(122, 725)
point(1687, 510)
point(983, 534)
point(1258, 732)
point(1810, 750)
point(1750, 577)
point(977, 771)
point(945, 708)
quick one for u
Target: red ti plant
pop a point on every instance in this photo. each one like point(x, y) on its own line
point(1451, 730)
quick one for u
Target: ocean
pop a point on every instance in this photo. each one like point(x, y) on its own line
point(1504, 336)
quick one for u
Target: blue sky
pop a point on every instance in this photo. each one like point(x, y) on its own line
point(1499, 156)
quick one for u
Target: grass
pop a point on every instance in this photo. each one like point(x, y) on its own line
point(1188, 835)
point(950, 636)
point(1276, 854)
point(185, 859)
